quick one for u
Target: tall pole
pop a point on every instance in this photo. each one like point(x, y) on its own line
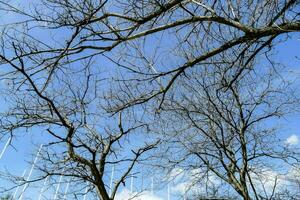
point(142, 178)
point(111, 179)
point(131, 184)
point(17, 189)
point(30, 172)
point(85, 193)
point(42, 190)
point(66, 190)
point(152, 185)
point(4, 148)
point(57, 188)
point(168, 192)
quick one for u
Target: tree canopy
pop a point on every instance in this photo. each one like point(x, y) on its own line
point(165, 84)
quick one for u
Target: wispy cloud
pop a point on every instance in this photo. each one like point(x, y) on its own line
point(292, 140)
point(145, 195)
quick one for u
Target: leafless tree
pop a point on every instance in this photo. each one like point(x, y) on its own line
point(72, 64)
point(228, 129)
point(94, 28)
point(85, 140)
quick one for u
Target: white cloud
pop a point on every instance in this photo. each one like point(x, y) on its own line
point(266, 178)
point(181, 188)
point(269, 178)
point(175, 174)
point(145, 195)
point(295, 172)
point(193, 181)
point(292, 140)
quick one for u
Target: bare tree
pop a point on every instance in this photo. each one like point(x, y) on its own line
point(93, 28)
point(86, 141)
point(228, 129)
point(72, 64)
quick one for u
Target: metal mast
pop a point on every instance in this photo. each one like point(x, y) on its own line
point(30, 172)
point(111, 179)
point(4, 148)
point(42, 190)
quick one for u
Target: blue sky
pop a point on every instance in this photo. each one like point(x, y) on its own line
point(24, 145)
